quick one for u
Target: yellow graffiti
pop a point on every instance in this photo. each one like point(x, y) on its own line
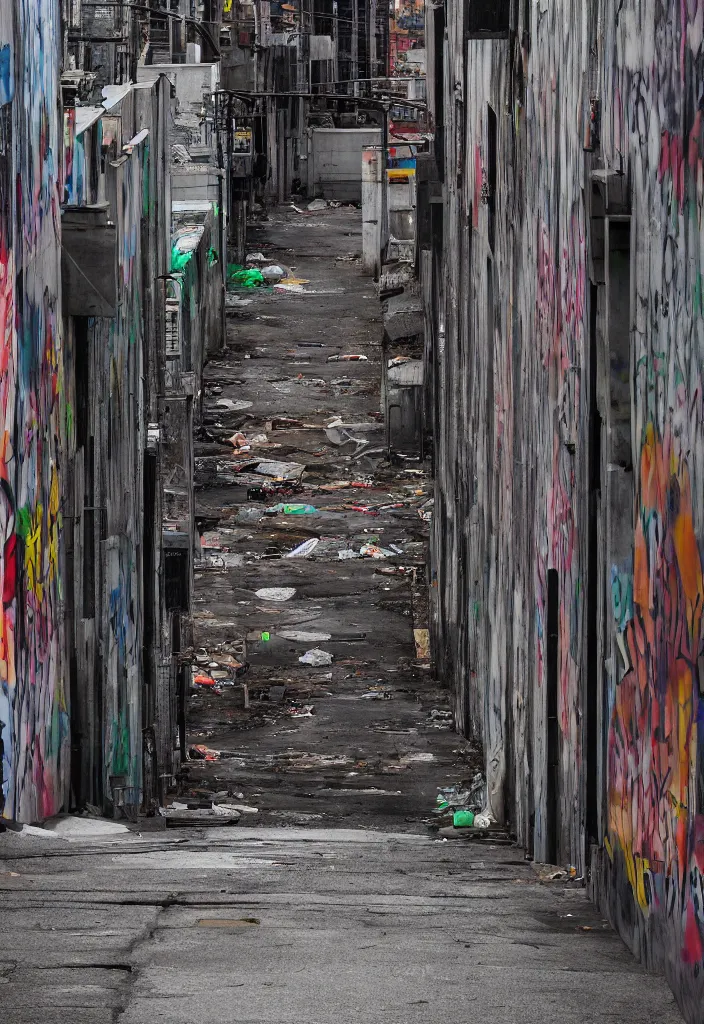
point(653, 734)
point(33, 554)
point(53, 521)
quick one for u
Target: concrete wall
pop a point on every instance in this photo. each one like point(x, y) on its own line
point(117, 630)
point(335, 161)
point(34, 727)
point(565, 326)
point(191, 81)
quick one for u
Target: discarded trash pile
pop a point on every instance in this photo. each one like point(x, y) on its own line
point(461, 812)
point(217, 810)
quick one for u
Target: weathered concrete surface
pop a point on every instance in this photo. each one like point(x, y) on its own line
point(357, 760)
point(351, 925)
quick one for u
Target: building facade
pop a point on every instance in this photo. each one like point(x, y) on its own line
point(97, 543)
point(562, 275)
point(34, 728)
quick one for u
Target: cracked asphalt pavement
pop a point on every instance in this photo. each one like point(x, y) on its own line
point(304, 926)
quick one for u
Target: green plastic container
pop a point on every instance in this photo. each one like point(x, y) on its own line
point(463, 819)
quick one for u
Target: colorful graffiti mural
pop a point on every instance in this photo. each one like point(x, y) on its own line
point(33, 704)
point(406, 31)
point(654, 821)
point(565, 309)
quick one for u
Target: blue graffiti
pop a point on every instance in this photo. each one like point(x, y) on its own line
point(7, 78)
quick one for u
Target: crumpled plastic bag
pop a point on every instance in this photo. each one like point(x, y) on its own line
point(316, 658)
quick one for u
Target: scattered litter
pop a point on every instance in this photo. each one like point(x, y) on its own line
point(273, 274)
point(237, 275)
point(239, 441)
point(276, 593)
point(306, 711)
point(339, 433)
point(373, 551)
point(233, 406)
point(283, 286)
point(178, 815)
point(466, 797)
point(317, 204)
point(203, 680)
point(398, 361)
point(426, 512)
point(256, 494)
point(227, 810)
point(316, 658)
point(348, 359)
point(440, 719)
point(484, 820)
point(256, 257)
point(280, 470)
point(422, 640)
point(301, 636)
point(293, 510)
point(347, 554)
point(199, 752)
point(284, 423)
point(304, 549)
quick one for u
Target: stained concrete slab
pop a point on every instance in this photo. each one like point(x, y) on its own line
point(349, 925)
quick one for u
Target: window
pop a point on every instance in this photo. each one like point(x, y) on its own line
point(488, 18)
point(176, 580)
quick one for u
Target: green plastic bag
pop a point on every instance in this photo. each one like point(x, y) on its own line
point(237, 275)
point(463, 819)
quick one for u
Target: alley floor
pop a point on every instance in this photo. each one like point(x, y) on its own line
point(364, 740)
point(328, 899)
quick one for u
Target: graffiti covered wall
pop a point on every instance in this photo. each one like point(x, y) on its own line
point(406, 31)
point(566, 326)
point(653, 133)
point(33, 701)
point(115, 374)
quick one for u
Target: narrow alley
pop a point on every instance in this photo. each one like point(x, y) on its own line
point(351, 511)
point(364, 737)
point(315, 891)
